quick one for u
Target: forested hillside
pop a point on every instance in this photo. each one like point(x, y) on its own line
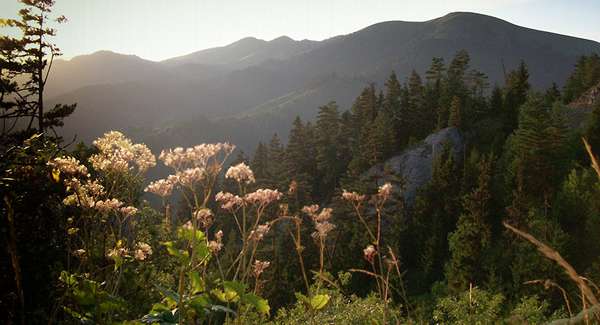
point(247, 90)
point(436, 197)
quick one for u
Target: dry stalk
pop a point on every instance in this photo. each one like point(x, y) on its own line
point(552, 254)
point(594, 159)
point(549, 283)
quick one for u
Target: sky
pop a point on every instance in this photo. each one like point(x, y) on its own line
point(161, 29)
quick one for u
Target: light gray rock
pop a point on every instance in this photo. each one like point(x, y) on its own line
point(412, 169)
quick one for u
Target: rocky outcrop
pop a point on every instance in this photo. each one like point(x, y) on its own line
point(412, 169)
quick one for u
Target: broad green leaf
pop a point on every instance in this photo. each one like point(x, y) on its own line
point(196, 282)
point(319, 301)
point(261, 305)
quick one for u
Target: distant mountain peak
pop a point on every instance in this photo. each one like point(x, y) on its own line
point(282, 39)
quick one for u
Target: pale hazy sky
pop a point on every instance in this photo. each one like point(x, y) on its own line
point(160, 29)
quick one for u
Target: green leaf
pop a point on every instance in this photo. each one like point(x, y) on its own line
point(236, 286)
point(196, 282)
point(167, 292)
point(261, 305)
point(319, 301)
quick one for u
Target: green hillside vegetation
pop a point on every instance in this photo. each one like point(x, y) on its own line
point(298, 232)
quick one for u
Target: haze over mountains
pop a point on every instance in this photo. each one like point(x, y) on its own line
point(246, 91)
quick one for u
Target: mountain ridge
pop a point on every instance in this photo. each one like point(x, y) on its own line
point(256, 85)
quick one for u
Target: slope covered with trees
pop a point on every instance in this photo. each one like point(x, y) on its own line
point(299, 232)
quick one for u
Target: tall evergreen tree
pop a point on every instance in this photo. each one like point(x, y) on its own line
point(516, 89)
point(454, 120)
point(472, 235)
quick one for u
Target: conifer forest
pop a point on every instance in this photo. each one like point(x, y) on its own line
point(446, 192)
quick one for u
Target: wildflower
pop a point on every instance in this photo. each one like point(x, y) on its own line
point(259, 267)
point(142, 251)
point(118, 252)
point(322, 229)
point(241, 173)
point(353, 196)
point(385, 191)
point(262, 197)
point(310, 209)
point(191, 176)
point(69, 166)
point(216, 245)
point(108, 205)
point(197, 156)
point(128, 211)
point(204, 217)
point(293, 187)
point(118, 153)
point(229, 201)
point(80, 253)
point(369, 253)
point(83, 195)
point(258, 234)
point(161, 187)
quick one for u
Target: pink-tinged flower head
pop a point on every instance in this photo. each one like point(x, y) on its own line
point(369, 253)
point(229, 201)
point(322, 229)
point(259, 267)
point(69, 166)
point(241, 173)
point(108, 206)
point(385, 191)
point(204, 217)
point(118, 154)
point(197, 156)
point(128, 211)
point(161, 187)
point(142, 251)
point(191, 176)
point(262, 197)
point(260, 232)
point(215, 245)
point(353, 196)
point(310, 209)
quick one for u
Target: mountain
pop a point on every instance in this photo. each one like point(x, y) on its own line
point(249, 89)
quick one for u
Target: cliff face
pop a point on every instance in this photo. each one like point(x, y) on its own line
point(412, 169)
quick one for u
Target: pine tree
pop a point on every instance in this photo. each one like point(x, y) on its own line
point(299, 159)
point(327, 134)
point(585, 76)
point(454, 120)
point(260, 165)
point(276, 162)
point(472, 235)
point(539, 148)
point(29, 60)
point(516, 89)
point(592, 129)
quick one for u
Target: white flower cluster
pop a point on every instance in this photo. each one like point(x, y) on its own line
point(321, 220)
point(215, 245)
point(241, 173)
point(197, 156)
point(82, 195)
point(262, 197)
point(260, 232)
point(142, 251)
point(259, 267)
point(192, 165)
point(108, 205)
point(369, 253)
point(204, 217)
point(385, 191)
point(229, 201)
point(118, 153)
point(69, 166)
point(353, 196)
